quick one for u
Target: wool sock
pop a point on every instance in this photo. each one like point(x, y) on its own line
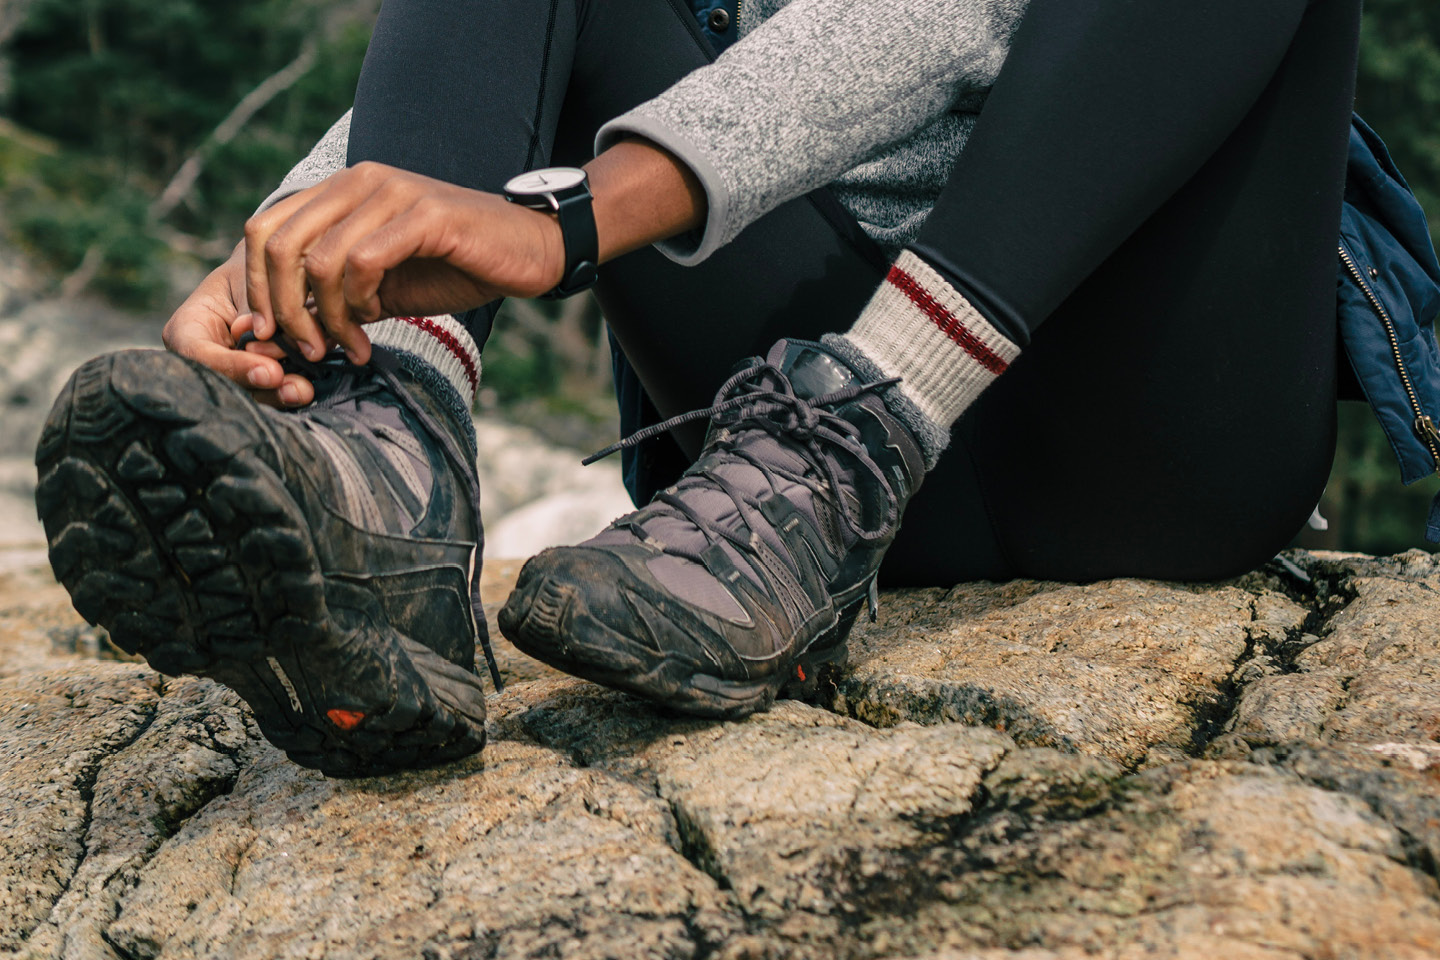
point(440, 353)
point(921, 329)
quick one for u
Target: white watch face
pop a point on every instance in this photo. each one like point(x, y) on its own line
point(548, 180)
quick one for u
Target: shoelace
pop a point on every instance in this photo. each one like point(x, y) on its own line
point(384, 364)
point(805, 422)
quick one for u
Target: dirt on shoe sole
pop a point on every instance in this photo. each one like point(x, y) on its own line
point(169, 521)
point(546, 617)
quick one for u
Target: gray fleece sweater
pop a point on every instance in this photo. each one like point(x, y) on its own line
point(876, 99)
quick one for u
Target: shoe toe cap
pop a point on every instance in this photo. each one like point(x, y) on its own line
point(540, 615)
point(582, 609)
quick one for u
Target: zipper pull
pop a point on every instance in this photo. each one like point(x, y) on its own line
point(1426, 430)
point(874, 598)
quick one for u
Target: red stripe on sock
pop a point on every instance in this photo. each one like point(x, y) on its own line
point(946, 321)
point(451, 343)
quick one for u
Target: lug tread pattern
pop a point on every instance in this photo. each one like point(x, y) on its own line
point(177, 537)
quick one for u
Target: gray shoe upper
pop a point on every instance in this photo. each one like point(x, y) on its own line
point(799, 490)
point(390, 492)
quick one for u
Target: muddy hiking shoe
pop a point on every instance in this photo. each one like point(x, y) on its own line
point(742, 581)
point(321, 562)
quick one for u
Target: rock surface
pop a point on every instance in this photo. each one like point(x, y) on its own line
point(1118, 669)
point(1032, 771)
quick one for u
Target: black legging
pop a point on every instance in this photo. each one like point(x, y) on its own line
point(1161, 181)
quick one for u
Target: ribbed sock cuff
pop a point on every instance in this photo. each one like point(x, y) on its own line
point(919, 328)
point(932, 439)
point(440, 342)
point(441, 355)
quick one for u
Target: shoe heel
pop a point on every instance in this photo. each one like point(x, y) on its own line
point(823, 659)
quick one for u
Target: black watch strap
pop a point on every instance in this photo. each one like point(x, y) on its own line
point(565, 192)
point(582, 245)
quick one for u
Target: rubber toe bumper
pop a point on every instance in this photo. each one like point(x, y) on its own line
point(583, 611)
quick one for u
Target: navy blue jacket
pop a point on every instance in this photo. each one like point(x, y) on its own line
point(1388, 297)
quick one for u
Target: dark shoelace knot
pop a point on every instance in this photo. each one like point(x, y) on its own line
point(777, 410)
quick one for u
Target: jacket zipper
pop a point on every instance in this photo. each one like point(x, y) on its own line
point(1423, 425)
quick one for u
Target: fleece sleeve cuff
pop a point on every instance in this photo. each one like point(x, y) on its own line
point(694, 246)
point(325, 158)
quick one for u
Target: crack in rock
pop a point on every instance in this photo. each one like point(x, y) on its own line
point(86, 788)
point(1120, 669)
point(784, 807)
point(186, 755)
point(1364, 667)
point(514, 853)
point(895, 822)
point(1197, 859)
point(57, 728)
point(694, 845)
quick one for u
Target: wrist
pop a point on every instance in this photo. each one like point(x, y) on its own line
point(552, 250)
point(643, 194)
point(563, 195)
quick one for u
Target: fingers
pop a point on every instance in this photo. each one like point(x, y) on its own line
point(294, 391)
point(208, 341)
point(201, 330)
point(291, 390)
point(374, 231)
point(291, 394)
point(297, 250)
point(377, 252)
point(258, 231)
point(329, 263)
point(210, 323)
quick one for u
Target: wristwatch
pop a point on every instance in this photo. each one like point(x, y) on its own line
point(564, 191)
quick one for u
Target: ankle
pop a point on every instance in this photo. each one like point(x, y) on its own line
point(931, 437)
point(919, 328)
point(441, 357)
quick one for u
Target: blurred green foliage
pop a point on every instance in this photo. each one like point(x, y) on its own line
point(105, 100)
point(1399, 89)
point(1367, 507)
point(61, 205)
point(121, 92)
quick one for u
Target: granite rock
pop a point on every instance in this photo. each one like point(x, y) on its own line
point(1031, 771)
point(1365, 670)
point(1118, 669)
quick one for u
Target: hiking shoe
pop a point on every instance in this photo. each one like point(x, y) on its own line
point(742, 581)
point(316, 561)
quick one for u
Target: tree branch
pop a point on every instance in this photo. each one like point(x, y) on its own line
point(252, 103)
point(75, 283)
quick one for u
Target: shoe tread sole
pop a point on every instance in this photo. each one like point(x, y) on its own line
point(175, 534)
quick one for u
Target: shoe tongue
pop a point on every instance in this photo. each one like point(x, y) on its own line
point(813, 371)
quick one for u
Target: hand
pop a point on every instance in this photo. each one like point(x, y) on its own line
point(210, 322)
point(374, 241)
